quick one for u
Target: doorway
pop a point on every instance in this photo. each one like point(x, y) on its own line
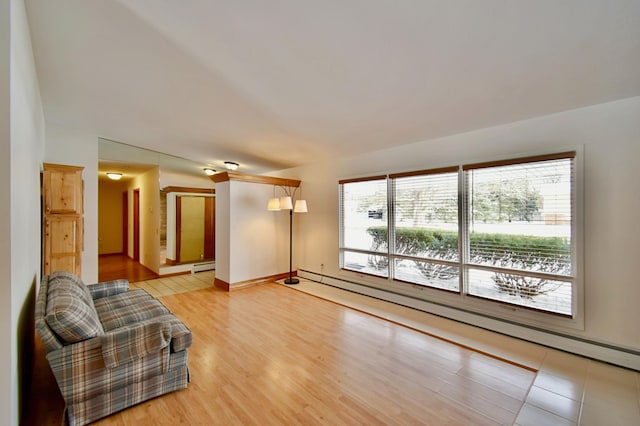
point(190, 228)
point(116, 220)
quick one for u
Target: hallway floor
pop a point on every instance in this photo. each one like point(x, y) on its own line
point(116, 266)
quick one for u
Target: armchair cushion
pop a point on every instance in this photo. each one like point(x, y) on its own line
point(108, 288)
point(68, 282)
point(129, 343)
point(70, 317)
point(128, 308)
point(136, 307)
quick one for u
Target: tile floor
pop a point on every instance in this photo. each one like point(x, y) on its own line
point(568, 389)
point(176, 284)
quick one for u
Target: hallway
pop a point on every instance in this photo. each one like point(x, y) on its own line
point(116, 266)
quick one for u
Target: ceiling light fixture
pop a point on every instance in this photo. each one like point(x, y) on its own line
point(114, 176)
point(209, 172)
point(230, 165)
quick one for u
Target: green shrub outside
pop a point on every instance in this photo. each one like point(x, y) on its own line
point(521, 252)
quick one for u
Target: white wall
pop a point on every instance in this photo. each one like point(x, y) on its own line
point(7, 352)
point(248, 241)
point(610, 135)
point(253, 244)
point(223, 220)
point(76, 148)
point(21, 153)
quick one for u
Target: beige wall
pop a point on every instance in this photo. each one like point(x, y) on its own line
point(110, 216)
point(148, 184)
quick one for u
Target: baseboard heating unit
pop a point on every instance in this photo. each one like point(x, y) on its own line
point(204, 266)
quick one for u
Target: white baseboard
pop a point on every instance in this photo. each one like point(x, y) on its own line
point(203, 266)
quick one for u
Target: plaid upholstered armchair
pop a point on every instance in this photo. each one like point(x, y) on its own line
point(109, 348)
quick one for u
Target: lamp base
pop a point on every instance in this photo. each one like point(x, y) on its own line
point(291, 281)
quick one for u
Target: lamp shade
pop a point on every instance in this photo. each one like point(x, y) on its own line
point(274, 204)
point(301, 206)
point(285, 203)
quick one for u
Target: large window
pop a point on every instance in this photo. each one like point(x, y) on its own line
point(363, 204)
point(426, 228)
point(499, 231)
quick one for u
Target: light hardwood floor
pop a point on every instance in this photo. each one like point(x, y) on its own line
point(116, 266)
point(271, 355)
point(568, 389)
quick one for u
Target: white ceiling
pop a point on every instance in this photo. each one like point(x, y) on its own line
point(280, 83)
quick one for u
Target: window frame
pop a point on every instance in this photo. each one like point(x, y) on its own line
point(462, 299)
point(393, 178)
point(343, 249)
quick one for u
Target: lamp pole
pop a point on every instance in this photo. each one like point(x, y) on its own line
point(291, 280)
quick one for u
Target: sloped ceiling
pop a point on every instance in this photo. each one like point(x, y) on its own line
point(275, 84)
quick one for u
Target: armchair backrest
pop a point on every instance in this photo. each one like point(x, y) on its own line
point(49, 339)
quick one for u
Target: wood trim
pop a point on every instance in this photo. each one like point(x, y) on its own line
point(425, 172)
point(187, 189)
point(221, 284)
point(62, 167)
point(362, 179)
point(125, 223)
point(243, 177)
point(249, 283)
point(521, 160)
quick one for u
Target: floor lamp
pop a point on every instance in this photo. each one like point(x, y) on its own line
point(285, 203)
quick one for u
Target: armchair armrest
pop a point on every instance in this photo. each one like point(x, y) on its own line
point(108, 288)
point(127, 344)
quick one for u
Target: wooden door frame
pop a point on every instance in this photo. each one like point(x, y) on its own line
point(125, 223)
point(178, 227)
point(136, 224)
point(209, 228)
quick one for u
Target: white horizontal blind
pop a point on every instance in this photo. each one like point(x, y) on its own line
point(519, 233)
point(426, 229)
point(363, 215)
point(514, 245)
